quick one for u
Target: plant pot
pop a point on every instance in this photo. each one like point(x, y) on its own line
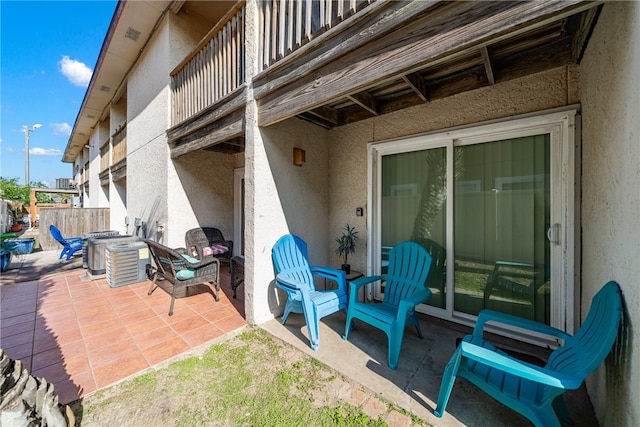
point(5, 259)
point(346, 268)
point(16, 227)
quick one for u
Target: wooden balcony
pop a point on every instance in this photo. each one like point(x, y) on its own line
point(334, 62)
point(105, 157)
point(119, 153)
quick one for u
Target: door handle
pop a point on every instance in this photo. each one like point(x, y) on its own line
point(553, 234)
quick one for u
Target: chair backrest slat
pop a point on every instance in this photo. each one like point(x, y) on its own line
point(290, 255)
point(586, 350)
point(409, 265)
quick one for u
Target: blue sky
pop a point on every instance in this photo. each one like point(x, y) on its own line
point(48, 50)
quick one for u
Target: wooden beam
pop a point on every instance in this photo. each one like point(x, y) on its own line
point(418, 85)
point(228, 127)
point(487, 65)
point(453, 31)
point(366, 101)
point(585, 23)
point(328, 114)
point(516, 66)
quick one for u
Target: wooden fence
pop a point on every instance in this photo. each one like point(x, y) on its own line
point(71, 223)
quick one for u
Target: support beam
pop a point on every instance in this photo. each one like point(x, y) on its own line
point(366, 101)
point(487, 65)
point(418, 85)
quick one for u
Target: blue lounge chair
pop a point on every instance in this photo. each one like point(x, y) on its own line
point(70, 245)
point(405, 280)
point(294, 275)
point(531, 390)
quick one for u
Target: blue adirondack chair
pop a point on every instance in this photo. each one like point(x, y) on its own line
point(531, 390)
point(70, 245)
point(295, 276)
point(405, 280)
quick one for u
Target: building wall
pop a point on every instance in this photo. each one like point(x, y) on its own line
point(155, 193)
point(348, 144)
point(283, 198)
point(611, 199)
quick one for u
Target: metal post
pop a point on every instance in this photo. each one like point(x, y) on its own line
point(26, 155)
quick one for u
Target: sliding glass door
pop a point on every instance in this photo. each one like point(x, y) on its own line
point(493, 206)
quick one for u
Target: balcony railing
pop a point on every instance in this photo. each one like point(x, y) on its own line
point(119, 144)
point(104, 157)
point(286, 25)
point(214, 69)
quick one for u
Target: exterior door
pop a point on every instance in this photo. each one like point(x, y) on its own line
point(493, 204)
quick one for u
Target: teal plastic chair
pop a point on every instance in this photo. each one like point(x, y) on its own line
point(70, 245)
point(294, 275)
point(409, 265)
point(531, 390)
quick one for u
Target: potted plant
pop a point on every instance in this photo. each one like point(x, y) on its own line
point(347, 246)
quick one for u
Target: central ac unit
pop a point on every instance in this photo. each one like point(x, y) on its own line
point(96, 252)
point(126, 263)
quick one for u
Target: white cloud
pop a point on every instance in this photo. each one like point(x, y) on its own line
point(44, 151)
point(77, 72)
point(10, 150)
point(62, 128)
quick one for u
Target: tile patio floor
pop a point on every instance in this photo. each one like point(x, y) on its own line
point(81, 335)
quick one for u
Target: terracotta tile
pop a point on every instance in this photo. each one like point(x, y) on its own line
point(93, 315)
point(110, 324)
point(111, 351)
point(79, 385)
point(119, 369)
point(154, 337)
point(20, 299)
point(143, 313)
point(77, 363)
point(17, 319)
point(54, 373)
point(9, 311)
point(231, 323)
point(116, 330)
point(57, 325)
point(202, 334)
point(17, 339)
point(46, 358)
point(19, 352)
point(218, 313)
point(44, 343)
point(99, 341)
point(186, 325)
point(144, 326)
point(165, 350)
point(17, 328)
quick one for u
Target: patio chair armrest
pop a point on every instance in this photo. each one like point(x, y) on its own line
point(203, 263)
point(518, 368)
point(493, 316)
point(72, 240)
point(409, 303)
point(356, 284)
point(330, 273)
point(289, 284)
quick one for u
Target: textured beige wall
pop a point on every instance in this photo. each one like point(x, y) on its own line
point(348, 144)
point(611, 199)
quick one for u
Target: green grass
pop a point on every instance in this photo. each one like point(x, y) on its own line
point(250, 380)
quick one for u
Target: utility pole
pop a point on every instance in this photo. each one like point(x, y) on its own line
point(26, 150)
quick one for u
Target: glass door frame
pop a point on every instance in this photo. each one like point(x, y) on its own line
point(563, 127)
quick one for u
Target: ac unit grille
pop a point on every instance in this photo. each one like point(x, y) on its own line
point(126, 263)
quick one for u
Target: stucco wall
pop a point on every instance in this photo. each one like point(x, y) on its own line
point(611, 199)
point(348, 144)
point(155, 191)
point(283, 198)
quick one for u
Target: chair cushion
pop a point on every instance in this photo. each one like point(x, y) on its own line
point(188, 273)
point(214, 250)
